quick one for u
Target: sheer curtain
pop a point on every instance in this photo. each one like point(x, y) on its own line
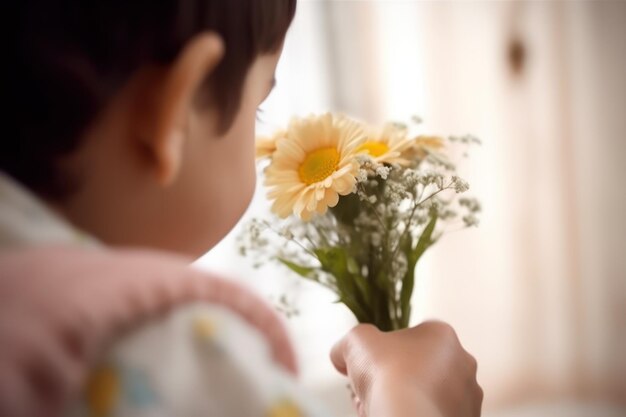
point(538, 291)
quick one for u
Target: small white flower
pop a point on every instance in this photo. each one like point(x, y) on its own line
point(376, 239)
point(399, 266)
point(459, 184)
point(287, 234)
point(411, 178)
point(471, 204)
point(383, 171)
point(470, 220)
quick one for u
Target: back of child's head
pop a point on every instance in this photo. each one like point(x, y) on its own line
point(67, 60)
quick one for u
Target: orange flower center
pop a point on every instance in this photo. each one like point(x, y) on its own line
point(318, 165)
point(374, 148)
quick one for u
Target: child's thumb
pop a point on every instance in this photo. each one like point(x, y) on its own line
point(349, 354)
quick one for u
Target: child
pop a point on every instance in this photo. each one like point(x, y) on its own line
point(133, 125)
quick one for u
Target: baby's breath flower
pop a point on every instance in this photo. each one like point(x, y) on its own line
point(395, 192)
point(431, 178)
point(286, 233)
point(459, 184)
point(439, 160)
point(399, 267)
point(376, 239)
point(411, 178)
point(466, 139)
point(362, 175)
point(362, 195)
point(368, 221)
point(416, 119)
point(447, 214)
point(383, 171)
point(470, 220)
point(472, 204)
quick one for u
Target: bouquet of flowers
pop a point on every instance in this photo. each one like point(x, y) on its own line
point(357, 206)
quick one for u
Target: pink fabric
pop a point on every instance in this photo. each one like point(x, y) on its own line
point(60, 307)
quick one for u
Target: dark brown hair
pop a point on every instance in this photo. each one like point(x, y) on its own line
point(67, 59)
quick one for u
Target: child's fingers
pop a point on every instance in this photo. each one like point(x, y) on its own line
point(337, 357)
point(348, 350)
point(263, 317)
point(37, 368)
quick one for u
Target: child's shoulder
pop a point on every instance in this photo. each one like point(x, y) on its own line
point(166, 337)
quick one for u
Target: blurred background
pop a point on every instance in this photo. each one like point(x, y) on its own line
point(538, 291)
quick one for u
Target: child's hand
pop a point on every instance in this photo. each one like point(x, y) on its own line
point(421, 371)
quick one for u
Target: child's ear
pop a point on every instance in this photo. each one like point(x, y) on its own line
point(164, 130)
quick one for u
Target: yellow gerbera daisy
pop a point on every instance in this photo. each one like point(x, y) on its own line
point(386, 144)
point(422, 145)
point(313, 165)
point(266, 145)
